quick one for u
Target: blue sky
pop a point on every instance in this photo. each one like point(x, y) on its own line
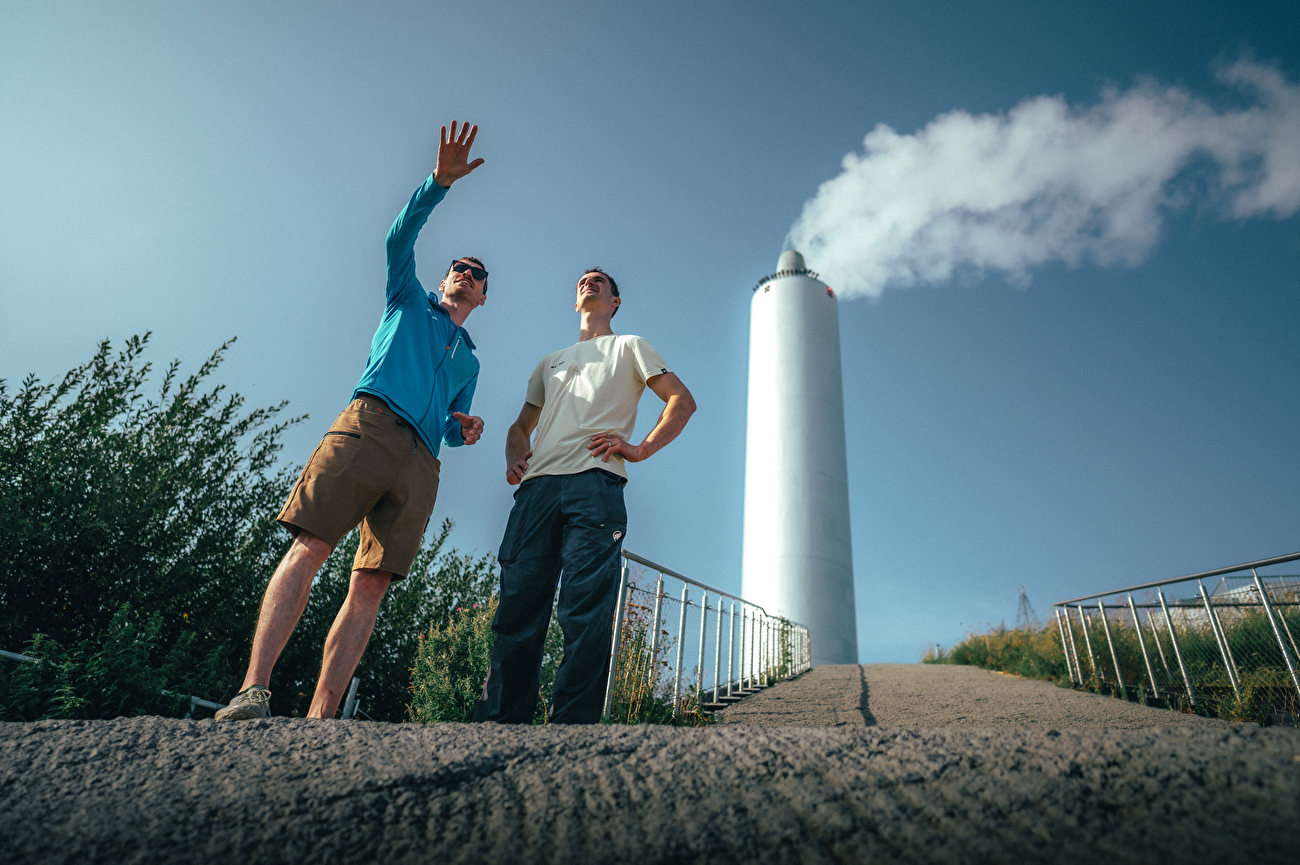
point(205, 171)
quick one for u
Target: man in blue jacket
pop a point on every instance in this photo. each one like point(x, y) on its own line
point(378, 464)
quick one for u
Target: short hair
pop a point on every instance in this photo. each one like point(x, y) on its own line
point(468, 258)
point(613, 286)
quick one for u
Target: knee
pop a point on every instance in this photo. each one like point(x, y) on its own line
point(311, 548)
point(369, 584)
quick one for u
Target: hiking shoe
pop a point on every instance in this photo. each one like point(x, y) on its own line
point(248, 704)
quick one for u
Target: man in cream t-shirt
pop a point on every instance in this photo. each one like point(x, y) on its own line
point(568, 515)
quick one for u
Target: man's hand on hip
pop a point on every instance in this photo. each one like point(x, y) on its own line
point(606, 445)
point(453, 155)
point(470, 427)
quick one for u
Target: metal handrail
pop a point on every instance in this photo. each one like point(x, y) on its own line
point(655, 566)
point(1217, 572)
point(763, 638)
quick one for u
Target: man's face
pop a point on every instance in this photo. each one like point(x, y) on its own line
point(463, 286)
point(595, 294)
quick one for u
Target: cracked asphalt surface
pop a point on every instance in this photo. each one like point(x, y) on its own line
point(288, 790)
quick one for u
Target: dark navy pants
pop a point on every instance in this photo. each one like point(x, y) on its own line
point(570, 524)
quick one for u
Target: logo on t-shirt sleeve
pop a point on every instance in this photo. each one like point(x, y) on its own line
point(663, 370)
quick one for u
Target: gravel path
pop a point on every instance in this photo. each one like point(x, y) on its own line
point(940, 695)
point(158, 790)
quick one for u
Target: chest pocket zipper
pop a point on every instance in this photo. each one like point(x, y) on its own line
point(338, 433)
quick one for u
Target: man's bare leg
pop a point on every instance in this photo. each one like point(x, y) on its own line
point(347, 639)
point(283, 603)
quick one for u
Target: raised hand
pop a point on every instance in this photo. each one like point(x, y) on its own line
point(516, 472)
point(453, 155)
point(606, 445)
point(470, 427)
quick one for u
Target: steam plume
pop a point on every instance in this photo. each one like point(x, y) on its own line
point(1047, 182)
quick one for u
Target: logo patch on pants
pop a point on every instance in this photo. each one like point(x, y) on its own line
point(617, 535)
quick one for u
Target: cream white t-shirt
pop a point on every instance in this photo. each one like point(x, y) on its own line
point(589, 388)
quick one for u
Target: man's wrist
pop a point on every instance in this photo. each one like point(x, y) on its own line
point(438, 181)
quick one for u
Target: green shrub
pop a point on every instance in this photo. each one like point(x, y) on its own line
point(452, 661)
point(126, 673)
point(451, 666)
point(110, 498)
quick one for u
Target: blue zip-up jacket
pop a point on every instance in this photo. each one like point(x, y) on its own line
point(420, 363)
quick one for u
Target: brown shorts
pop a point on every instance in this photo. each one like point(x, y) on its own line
point(371, 468)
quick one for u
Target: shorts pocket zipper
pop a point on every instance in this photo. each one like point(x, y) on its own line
point(338, 433)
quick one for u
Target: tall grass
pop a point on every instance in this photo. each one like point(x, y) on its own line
point(1113, 663)
point(644, 678)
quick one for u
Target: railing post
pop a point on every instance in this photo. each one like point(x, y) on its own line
point(1146, 659)
point(1277, 632)
point(618, 639)
point(1114, 658)
point(349, 704)
point(1221, 640)
point(704, 627)
point(1152, 620)
point(717, 653)
point(740, 645)
point(1065, 647)
point(731, 650)
point(655, 628)
point(1178, 653)
point(681, 653)
point(1074, 648)
point(1092, 656)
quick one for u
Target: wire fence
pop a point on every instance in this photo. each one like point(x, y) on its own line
point(684, 648)
point(1220, 643)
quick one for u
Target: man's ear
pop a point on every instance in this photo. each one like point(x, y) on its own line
point(616, 302)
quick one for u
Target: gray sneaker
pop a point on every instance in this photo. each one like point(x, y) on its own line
point(248, 704)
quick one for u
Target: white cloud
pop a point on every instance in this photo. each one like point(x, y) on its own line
point(1047, 182)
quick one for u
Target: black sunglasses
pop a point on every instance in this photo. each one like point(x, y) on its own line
point(477, 272)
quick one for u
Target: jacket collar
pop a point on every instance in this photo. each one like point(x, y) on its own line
point(433, 302)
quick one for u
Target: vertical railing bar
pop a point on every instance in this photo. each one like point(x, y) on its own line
point(1074, 648)
point(704, 627)
point(1137, 626)
point(1092, 656)
point(618, 638)
point(1114, 658)
point(654, 636)
point(731, 650)
point(1277, 632)
point(1152, 620)
point(681, 652)
point(1220, 640)
point(717, 654)
point(1231, 658)
point(1178, 653)
point(1065, 647)
point(753, 643)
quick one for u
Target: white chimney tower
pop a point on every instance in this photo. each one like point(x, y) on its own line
point(798, 558)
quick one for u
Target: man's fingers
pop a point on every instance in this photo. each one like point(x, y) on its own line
point(475, 164)
point(442, 139)
point(473, 133)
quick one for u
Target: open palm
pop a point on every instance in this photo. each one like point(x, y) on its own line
point(453, 155)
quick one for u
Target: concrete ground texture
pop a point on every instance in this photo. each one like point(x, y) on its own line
point(878, 763)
